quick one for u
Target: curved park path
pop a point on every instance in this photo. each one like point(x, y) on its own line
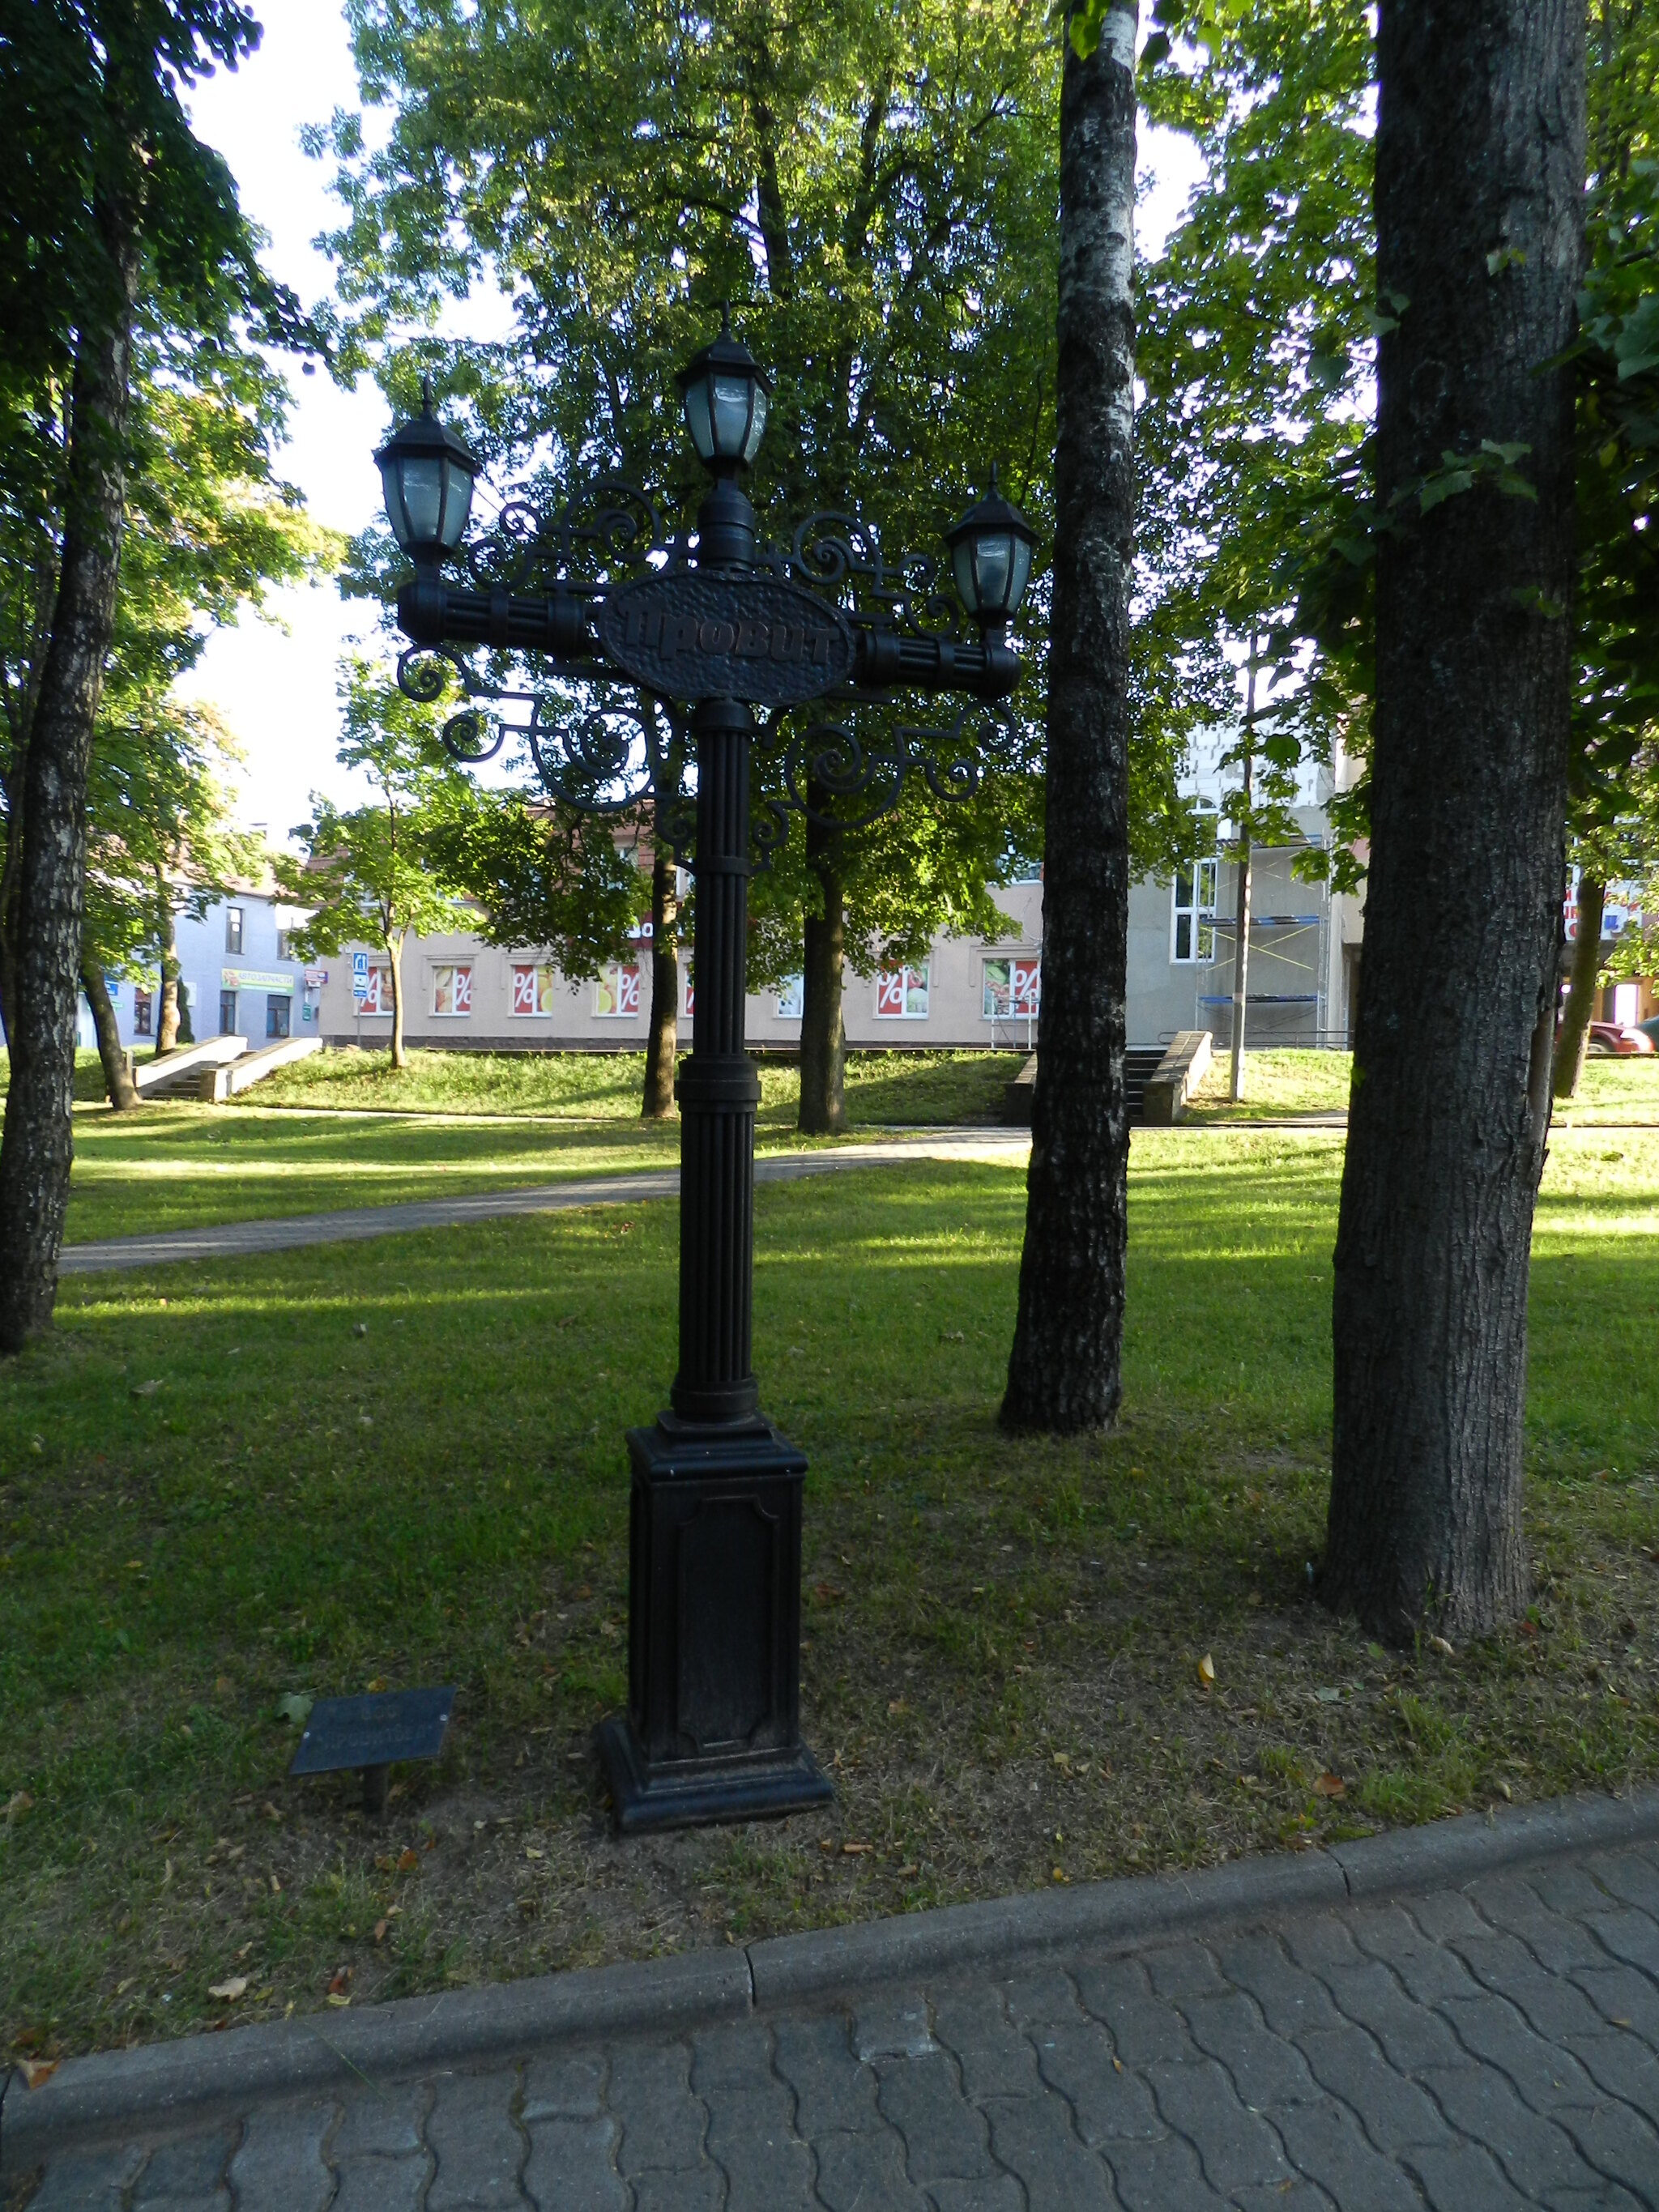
point(348, 1224)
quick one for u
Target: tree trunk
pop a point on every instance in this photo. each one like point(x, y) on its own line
point(1570, 1045)
point(1242, 910)
point(1479, 185)
point(394, 952)
point(1064, 1372)
point(118, 1082)
point(823, 1027)
point(167, 1035)
point(662, 1046)
point(38, 1145)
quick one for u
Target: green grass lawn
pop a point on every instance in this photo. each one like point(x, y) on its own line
point(182, 1165)
point(882, 1087)
point(217, 1494)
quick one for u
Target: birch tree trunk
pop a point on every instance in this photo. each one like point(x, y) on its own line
point(1064, 1371)
point(394, 953)
point(1581, 991)
point(118, 1082)
point(167, 1035)
point(662, 1045)
point(36, 1146)
point(1479, 193)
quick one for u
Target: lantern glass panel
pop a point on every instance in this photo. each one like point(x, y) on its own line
point(698, 419)
point(738, 405)
point(457, 503)
point(414, 497)
point(994, 561)
point(1022, 574)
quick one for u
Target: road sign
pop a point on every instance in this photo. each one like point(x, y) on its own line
point(359, 976)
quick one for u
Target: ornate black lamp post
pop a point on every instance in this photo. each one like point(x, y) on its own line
point(717, 625)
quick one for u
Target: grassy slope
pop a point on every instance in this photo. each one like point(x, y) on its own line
point(1001, 1638)
point(889, 1087)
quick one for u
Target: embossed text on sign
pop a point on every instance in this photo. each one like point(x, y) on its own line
point(692, 636)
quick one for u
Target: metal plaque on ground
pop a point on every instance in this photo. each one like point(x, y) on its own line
point(373, 1731)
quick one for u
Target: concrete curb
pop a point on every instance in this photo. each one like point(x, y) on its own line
point(163, 2084)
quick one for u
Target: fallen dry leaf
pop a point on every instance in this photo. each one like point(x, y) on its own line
point(36, 2071)
point(341, 1976)
point(377, 1686)
point(1439, 1644)
point(166, 1872)
point(380, 1927)
point(408, 1860)
point(18, 1803)
point(147, 1389)
point(851, 1850)
point(340, 2002)
point(230, 1991)
point(1207, 1671)
point(1330, 1785)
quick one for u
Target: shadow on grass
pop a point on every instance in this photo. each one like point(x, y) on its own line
point(217, 1492)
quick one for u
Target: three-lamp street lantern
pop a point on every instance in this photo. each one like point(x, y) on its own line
point(707, 629)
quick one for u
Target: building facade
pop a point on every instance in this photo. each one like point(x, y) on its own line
point(237, 974)
point(461, 994)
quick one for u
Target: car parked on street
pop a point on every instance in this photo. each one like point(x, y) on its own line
point(1622, 1042)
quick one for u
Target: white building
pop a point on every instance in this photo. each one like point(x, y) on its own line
point(237, 972)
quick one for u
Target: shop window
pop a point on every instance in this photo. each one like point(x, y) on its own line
point(451, 992)
point(532, 986)
point(902, 993)
point(1013, 990)
point(616, 993)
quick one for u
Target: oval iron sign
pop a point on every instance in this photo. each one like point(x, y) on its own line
point(695, 636)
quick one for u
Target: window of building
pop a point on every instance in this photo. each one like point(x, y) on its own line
point(227, 1013)
point(377, 999)
point(791, 999)
point(532, 986)
point(277, 1014)
point(143, 1003)
point(616, 993)
point(1013, 990)
point(1193, 934)
point(902, 993)
point(233, 929)
point(285, 944)
point(690, 990)
point(451, 991)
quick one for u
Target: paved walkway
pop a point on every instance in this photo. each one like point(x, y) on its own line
point(234, 1239)
point(1481, 2046)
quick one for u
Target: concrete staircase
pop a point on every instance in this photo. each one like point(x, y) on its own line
point(217, 1069)
point(1140, 1064)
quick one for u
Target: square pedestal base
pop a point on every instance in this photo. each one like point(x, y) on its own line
point(696, 1792)
point(713, 1730)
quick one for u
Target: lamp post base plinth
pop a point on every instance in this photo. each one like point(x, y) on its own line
point(696, 1793)
point(713, 1729)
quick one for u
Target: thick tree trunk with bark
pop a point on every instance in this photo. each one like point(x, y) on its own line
point(1064, 1372)
point(662, 1046)
point(394, 953)
point(1480, 184)
point(118, 1082)
point(38, 1145)
point(823, 1026)
point(1570, 1045)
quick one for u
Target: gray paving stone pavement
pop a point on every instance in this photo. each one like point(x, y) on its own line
point(230, 1240)
point(1489, 2044)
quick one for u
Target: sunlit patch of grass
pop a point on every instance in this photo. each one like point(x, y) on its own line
point(1000, 1636)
